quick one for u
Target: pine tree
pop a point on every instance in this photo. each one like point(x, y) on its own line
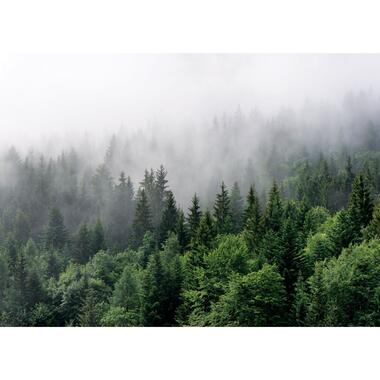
point(182, 232)
point(153, 308)
point(121, 213)
point(349, 176)
point(360, 206)
point(169, 218)
point(237, 206)
point(194, 217)
point(98, 242)
point(222, 211)
point(142, 221)
point(56, 234)
point(33, 291)
point(206, 232)
point(274, 210)
point(160, 194)
point(83, 251)
point(21, 227)
point(252, 217)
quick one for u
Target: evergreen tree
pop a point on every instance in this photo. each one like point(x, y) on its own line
point(160, 196)
point(182, 233)
point(152, 307)
point(222, 211)
point(169, 218)
point(360, 206)
point(98, 242)
point(274, 210)
point(83, 249)
point(56, 234)
point(237, 207)
point(252, 217)
point(194, 217)
point(206, 231)
point(121, 213)
point(142, 221)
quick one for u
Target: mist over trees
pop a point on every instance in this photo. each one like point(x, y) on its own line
point(244, 221)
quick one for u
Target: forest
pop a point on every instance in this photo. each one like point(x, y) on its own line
point(276, 229)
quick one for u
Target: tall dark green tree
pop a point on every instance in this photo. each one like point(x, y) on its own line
point(252, 220)
point(142, 222)
point(98, 241)
point(56, 234)
point(83, 248)
point(237, 209)
point(222, 211)
point(360, 206)
point(274, 210)
point(182, 231)
point(169, 218)
point(121, 216)
point(152, 304)
point(194, 217)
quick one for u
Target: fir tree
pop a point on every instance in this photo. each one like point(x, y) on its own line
point(169, 218)
point(237, 206)
point(142, 221)
point(194, 217)
point(98, 242)
point(56, 234)
point(83, 251)
point(274, 210)
point(252, 217)
point(182, 232)
point(152, 307)
point(222, 211)
point(360, 206)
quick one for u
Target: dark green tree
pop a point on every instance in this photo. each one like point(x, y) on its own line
point(98, 241)
point(252, 220)
point(237, 209)
point(194, 217)
point(169, 218)
point(222, 211)
point(360, 206)
point(142, 222)
point(274, 210)
point(83, 250)
point(56, 234)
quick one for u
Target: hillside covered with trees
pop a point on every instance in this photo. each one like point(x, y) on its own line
point(290, 237)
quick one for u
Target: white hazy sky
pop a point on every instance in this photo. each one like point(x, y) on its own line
point(41, 95)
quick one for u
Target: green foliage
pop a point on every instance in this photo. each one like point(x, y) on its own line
point(222, 211)
point(142, 222)
point(56, 234)
point(255, 299)
point(344, 291)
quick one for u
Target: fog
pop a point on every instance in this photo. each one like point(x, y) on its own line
point(44, 95)
point(166, 109)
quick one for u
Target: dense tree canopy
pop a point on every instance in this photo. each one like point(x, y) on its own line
point(302, 248)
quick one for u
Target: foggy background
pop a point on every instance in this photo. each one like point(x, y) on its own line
point(204, 117)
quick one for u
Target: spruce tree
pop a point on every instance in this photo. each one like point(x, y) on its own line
point(194, 217)
point(206, 232)
point(98, 242)
point(360, 206)
point(237, 207)
point(274, 210)
point(169, 218)
point(222, 211)
point(252, 217)
point(56, 234)
point(142, 221)
point(152, 305)
point(182, 231)
point(83, 248)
